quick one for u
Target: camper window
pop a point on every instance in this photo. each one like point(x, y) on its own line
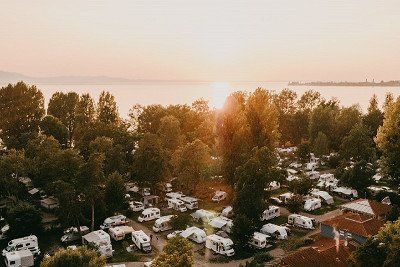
point(19, 246)
point(12, 262)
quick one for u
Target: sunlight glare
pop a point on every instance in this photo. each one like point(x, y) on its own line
point(220, 91)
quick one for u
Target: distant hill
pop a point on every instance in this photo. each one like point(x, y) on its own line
point(381, 83)
point(13, 77)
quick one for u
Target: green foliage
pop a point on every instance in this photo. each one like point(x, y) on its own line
point(24, 219)
point(358, 176)
point(322, 119)
point(295, 204)
point(181, 222)
point(115, 193)
point(346, 119)
point(177, 253)
point(170, 132)
point(301, 186)
point(82, 256)
point(388, 141)
point(21, 109)
point(52, 126)
point(13, 164)
point(374, 118)
point(107, 110)
point(321, 144)
point(303, 151)
point(358, 145)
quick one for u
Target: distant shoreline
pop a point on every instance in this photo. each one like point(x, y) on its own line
point(361, 84)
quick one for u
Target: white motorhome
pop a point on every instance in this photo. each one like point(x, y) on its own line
point(301, 221)
point(203, 215)
point(141, 240)
point(190, 202)
point(119, 233)
point(274, 185)
point(3, 231)
point(221, 223)
point(323, 195)
point(21, 258)
point(168, 187)
point(101, 240)
point(313, 175)
point(114, 221)
point(163, 224)
point(219, 196)
point(227, 212)
point(136, 206)
point(259, 240)
point(346, 192)
point(312, 204)
point(195, 234)
point(174, 195)
point(285, 197)
point(270, 213)
point(27, 242)
point(72, 234)
point(274, 230)
point(220, 245)
point(149, 214)
point(176, 204)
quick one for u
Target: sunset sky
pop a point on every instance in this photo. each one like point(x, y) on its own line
point(203, 40)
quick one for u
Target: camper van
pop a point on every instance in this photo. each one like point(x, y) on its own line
point(27, 242)
point(163, 224)
point(313, 175)
point(270, 213)
point(221, 223)
point(114, 221)
point(195, 234)
point(136, 206)
point(219, 196)
point(149, 214)
point(101, 240)
point(21, 258)
point(72, 234)
point(176, 204)
point(3, 231)
point(220, 245)
point(275, 231)
point(227, 212)
point(323, 195)
point(301, 221)
point(259, 240)
point(312, 204)
point(285, 197)
point(190, 202)
point(141, 240)
point(119, 233)
point(203, 215)
point(174, 195)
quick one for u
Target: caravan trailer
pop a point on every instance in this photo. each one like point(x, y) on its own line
point(195, 234)
point(119, 233)
point(136, 206)
point(21, 258)
point(190, 202)
point(275, 231)
point(72, 234)
point(259, 240)
point(270, 213)
point(312, 204)
point(114, 221)
point(227, 212)
point(176, 204)
point(27, 242)
point(220, 245)
point(301, 221)
point(101, 240)
point(163, 224)
point(221, 223)
point(141, 240)
point(219, 196)
point(149, 214)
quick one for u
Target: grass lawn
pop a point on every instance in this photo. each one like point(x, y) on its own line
point(328, 208)
point(120, 254)
point(279, 220)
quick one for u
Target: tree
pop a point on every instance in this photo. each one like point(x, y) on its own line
point(382, 250)
point(344, 122)
point(149, 161)
point(107, 110)
point(24, 219)
point(358, 176)
point(85, 111)
point(322, 119)
point(21, 109)
point(63, 106)
point(177, 253)
point(374, 118)
point(303, 151)
point(115, 193)
point(295, 204)
point(286, 106)
point(81, 256)
point(52, 126)
point(181, 222)
point(170, 132)
point(321, 144)
point(388, 141)
point(191, 163)
point(358, 145)
point(301, 186)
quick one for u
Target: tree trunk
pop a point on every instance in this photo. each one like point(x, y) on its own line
point(92, 226)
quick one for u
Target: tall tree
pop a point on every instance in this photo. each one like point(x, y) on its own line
point(388, 141)
point(286, 105)
point(358, 145)
point(63, 106)
point(24, 219)
point(170, 133)
point(107, 110)
point(357, 176)
point(321, 144)
point(344, 122)
point(177, 253)
point(21, 109)
point(374, 118)
point(52, 126)
point(82, 256)
point(115, 193)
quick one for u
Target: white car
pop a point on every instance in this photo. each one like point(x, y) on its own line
point(136, 206)
point(174, 234)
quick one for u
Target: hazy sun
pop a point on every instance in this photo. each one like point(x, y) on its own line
point(220, 90)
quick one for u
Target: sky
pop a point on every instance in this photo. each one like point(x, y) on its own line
point(210, 40)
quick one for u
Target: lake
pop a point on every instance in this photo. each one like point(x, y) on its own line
point(165, 93)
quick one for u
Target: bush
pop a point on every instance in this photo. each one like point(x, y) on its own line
point(24, 219)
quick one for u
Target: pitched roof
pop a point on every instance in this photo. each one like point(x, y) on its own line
point(368, 206)
point(359, 224)
point(310, 257)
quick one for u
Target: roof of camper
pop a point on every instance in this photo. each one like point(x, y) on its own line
point(260, 236)
point(325, 195)
point(15, 255)
point(271, 228)
point(223, 240)
point(192, 230)
point(200, 214)
point(96, 236)
point(367, 206)
point(150, 210)
point(219, 222)
point(164, 218)
point(141, 236)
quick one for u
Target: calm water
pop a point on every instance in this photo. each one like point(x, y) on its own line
point(185, 93)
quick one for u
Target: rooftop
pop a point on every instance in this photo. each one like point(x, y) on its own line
point(366, 206)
